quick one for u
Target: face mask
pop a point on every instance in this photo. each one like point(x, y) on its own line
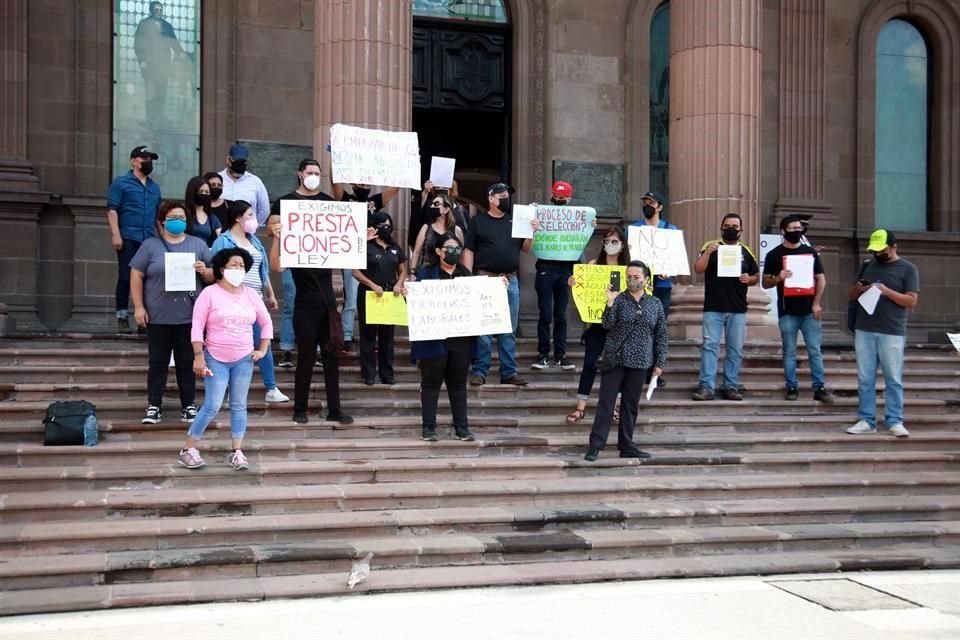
point(793, 237)
point(882, 258)
point(146, 168)
point(202, 199)
point(503, 204)
point(730, 235)
point(451, 255)
point(612, 249)
point(175, 227)
point(250, 225)
point(215, 193)
point(311, 182)
point(234, 276)
point(560, 202)
point(649, 211)
point(434, 213)
point(362, 194)
point(635, 284)
point(239, 167)
point(384, 233)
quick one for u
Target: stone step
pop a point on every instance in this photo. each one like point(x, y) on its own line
point(219, 500)
point(520, 574)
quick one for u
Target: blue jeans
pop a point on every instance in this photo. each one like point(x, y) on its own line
point(812, 337)
point(124, 256)
point(734, 326)
point(350, 285)
point(553, 296)
point(266, 362)
point(235, 376)
point(506, 342)
point(875, 349)
point(288, 341)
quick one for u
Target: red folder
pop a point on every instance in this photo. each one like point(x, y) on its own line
point(798, 292)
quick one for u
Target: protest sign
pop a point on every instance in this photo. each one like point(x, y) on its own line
point(441, 171)
point(322, 234)
point(663, 250)
point(523, 216)
point(564, 232)
point(372, 156)
point(439, 309)
point(389, 308)
point(178, 272)
point(590, 289)
point(728, 260)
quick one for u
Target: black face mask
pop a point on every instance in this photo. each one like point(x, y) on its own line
point(451, 255)
point(730, 235)
point(793, 237)
point(361, 194)
point(239, 166)
point(882, 258)
point(384, 233)
point(146, 168)
point(215, 193)
point(649, 211)
point(560, 202)
point(433, 213)
point(202, 199)
point(503, 204)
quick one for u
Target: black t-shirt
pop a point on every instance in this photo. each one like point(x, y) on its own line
point(794, 305)
point(293, 195)
point(382, 263)
point(314, 289)
point(493, 245)
point(727, 295)
point(220, 211)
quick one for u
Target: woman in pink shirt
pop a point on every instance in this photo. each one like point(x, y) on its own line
point(222, 335)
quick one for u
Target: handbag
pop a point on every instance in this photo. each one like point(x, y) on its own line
point(853, 304)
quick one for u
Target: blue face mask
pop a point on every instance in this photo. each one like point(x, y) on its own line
point(175, 227)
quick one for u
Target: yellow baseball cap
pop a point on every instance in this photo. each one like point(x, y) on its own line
point(881, 239)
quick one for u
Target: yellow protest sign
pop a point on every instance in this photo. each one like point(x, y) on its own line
point(590, 283)
point(386, 309)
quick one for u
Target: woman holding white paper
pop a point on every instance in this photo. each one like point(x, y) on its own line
point(438, 221)
point(165, 308)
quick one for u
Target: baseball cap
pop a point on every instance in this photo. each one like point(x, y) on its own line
point(239, 152)
point(653, 195)
point(562, 189)
point(497, 187)
point(881, 239)
point(143, 151)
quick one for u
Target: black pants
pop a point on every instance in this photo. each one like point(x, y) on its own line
point(593, 339)
point(161, 340)
point(553, 296)
point(312, 329)
point(452, 367)
point(377, 337)
point(124, 256)
point(628, 383)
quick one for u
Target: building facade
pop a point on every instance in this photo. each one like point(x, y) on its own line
point(848, 111)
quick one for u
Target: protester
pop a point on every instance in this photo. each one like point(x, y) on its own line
point(724, 311)
point(491, 250)
point(386, 273)
point(166, 315)
point(438, 222)
point(218, 205)
point(240, 184)
point(637, 340)
point(613, 251)
point(881, 336)
point(200, 222)
point(240, 228)
point(420, 211)
point(132, 203)
point(798, 311)
point(223, 321)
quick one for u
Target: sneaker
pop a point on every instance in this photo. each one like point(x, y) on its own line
point(153, 415)
point(286, 360)
point(340, 417)
point(822, 395)
point(732, 394)
point(477, 381)
point(318, 364)
point(347, 346)
point(541, 363)
point(702, 394)
point(429, 434)
point(300, 418)
point(275, 395)
point(897, 429)
point(123, 326)
point(515, 380)
point(188, 413)
point(239, 461)
point(564, 364)
point(464, 434)
point(190, 458)
point(792, 393)
point(592, 454)
point(861, 427)
point(661, 382)
point(636, 453)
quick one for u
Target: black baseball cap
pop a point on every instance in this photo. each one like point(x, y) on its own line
point(497, 187)
point(653, 195)
point(143, 151)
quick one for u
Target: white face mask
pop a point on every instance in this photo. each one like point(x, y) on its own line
point(311, 182)
point(234, 276)
point(612, 249)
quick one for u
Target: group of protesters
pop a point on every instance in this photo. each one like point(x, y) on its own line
point(221, 327)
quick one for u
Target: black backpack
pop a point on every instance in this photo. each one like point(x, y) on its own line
point(63, 424)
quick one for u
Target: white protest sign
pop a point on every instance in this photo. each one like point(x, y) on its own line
point(662, 249)
point(802, 268)
point(767, 242)
point(178, 272)
point(323, 234)
point(441, 171)
point(955, 339)
point(372, 156)
point(439, 309)
point(523, 215)
point(728, 260)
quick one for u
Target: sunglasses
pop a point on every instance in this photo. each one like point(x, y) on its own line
point(610, 241)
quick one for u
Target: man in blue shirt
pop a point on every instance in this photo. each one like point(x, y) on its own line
point(132, 203)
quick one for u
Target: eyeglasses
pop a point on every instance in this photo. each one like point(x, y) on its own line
point(176, 218)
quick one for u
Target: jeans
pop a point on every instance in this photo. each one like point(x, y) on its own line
point(506, 342)
point(553, 296)
point(312, 327)
point(594, 339)
point(235, 376)
point(734, 326)
point(350, 285)
point(161, 340)
point(886, 351)
point(266, 362)
point(629, 383)
point(663, 294)
point(375, 338)
point(812, 336)
point(124, 256)
point(287, 338)
point(451, 367)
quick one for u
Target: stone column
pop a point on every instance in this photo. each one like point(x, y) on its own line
point(16, 172)
point(94, 267)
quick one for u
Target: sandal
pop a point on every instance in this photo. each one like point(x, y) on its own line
point(576, 416)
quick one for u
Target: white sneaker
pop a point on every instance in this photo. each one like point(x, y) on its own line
point(897, 429)
point(275, 395)
point(861, 428)
point(190, 458)
point(239, 461)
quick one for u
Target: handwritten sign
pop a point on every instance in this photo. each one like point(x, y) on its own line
point(564, 232)
point(439, 309)
point(178, 272)
point(663, 250)
point(372, 156)
point(321, 234)
point(386, 309)
point(590, 289)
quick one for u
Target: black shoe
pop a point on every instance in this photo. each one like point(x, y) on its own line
point(153, 415)
point(792, 393)
point(348, 346)
point(732, 394)
point(515, 380)
point(429, 434)
point(636, 453)
point(123, 326)
point(464, 434)
point(188, 413)
point(592, 454)
point(564, 364)
point(387, 380)
point(661, 382)
point(822, 395)
point(286, 360)
point(702, 394)
point(300, 418)
point(340, 417)
point(369, 382)
point(542, 363)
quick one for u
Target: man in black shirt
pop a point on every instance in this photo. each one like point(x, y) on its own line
point(491, 250)
point(724, 310)
point(798, 310)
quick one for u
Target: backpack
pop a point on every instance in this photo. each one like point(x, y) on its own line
point(70, 423)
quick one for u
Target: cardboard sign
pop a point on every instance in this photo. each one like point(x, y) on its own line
point(590, 283)
point(321, 234)
point(564, 232)
point(441, 171)
point(440, 309)
point(663, 250)
point(372, 156)
point(389, 308)
point(178, 272)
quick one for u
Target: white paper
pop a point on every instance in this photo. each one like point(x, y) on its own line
point(663, 249)
point(439, 309)
point(523, 215)
point(652, 386)
point(802, 268)
point(955, 339)
point(728, 260)
point(373, 156)
point(868, 300)
point(179, 274)
point(441, 171)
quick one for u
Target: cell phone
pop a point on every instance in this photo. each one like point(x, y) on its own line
point(615, 280)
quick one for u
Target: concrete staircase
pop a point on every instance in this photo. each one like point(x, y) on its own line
point(760, 486)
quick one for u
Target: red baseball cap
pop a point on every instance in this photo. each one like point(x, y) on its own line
point(562, 189)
